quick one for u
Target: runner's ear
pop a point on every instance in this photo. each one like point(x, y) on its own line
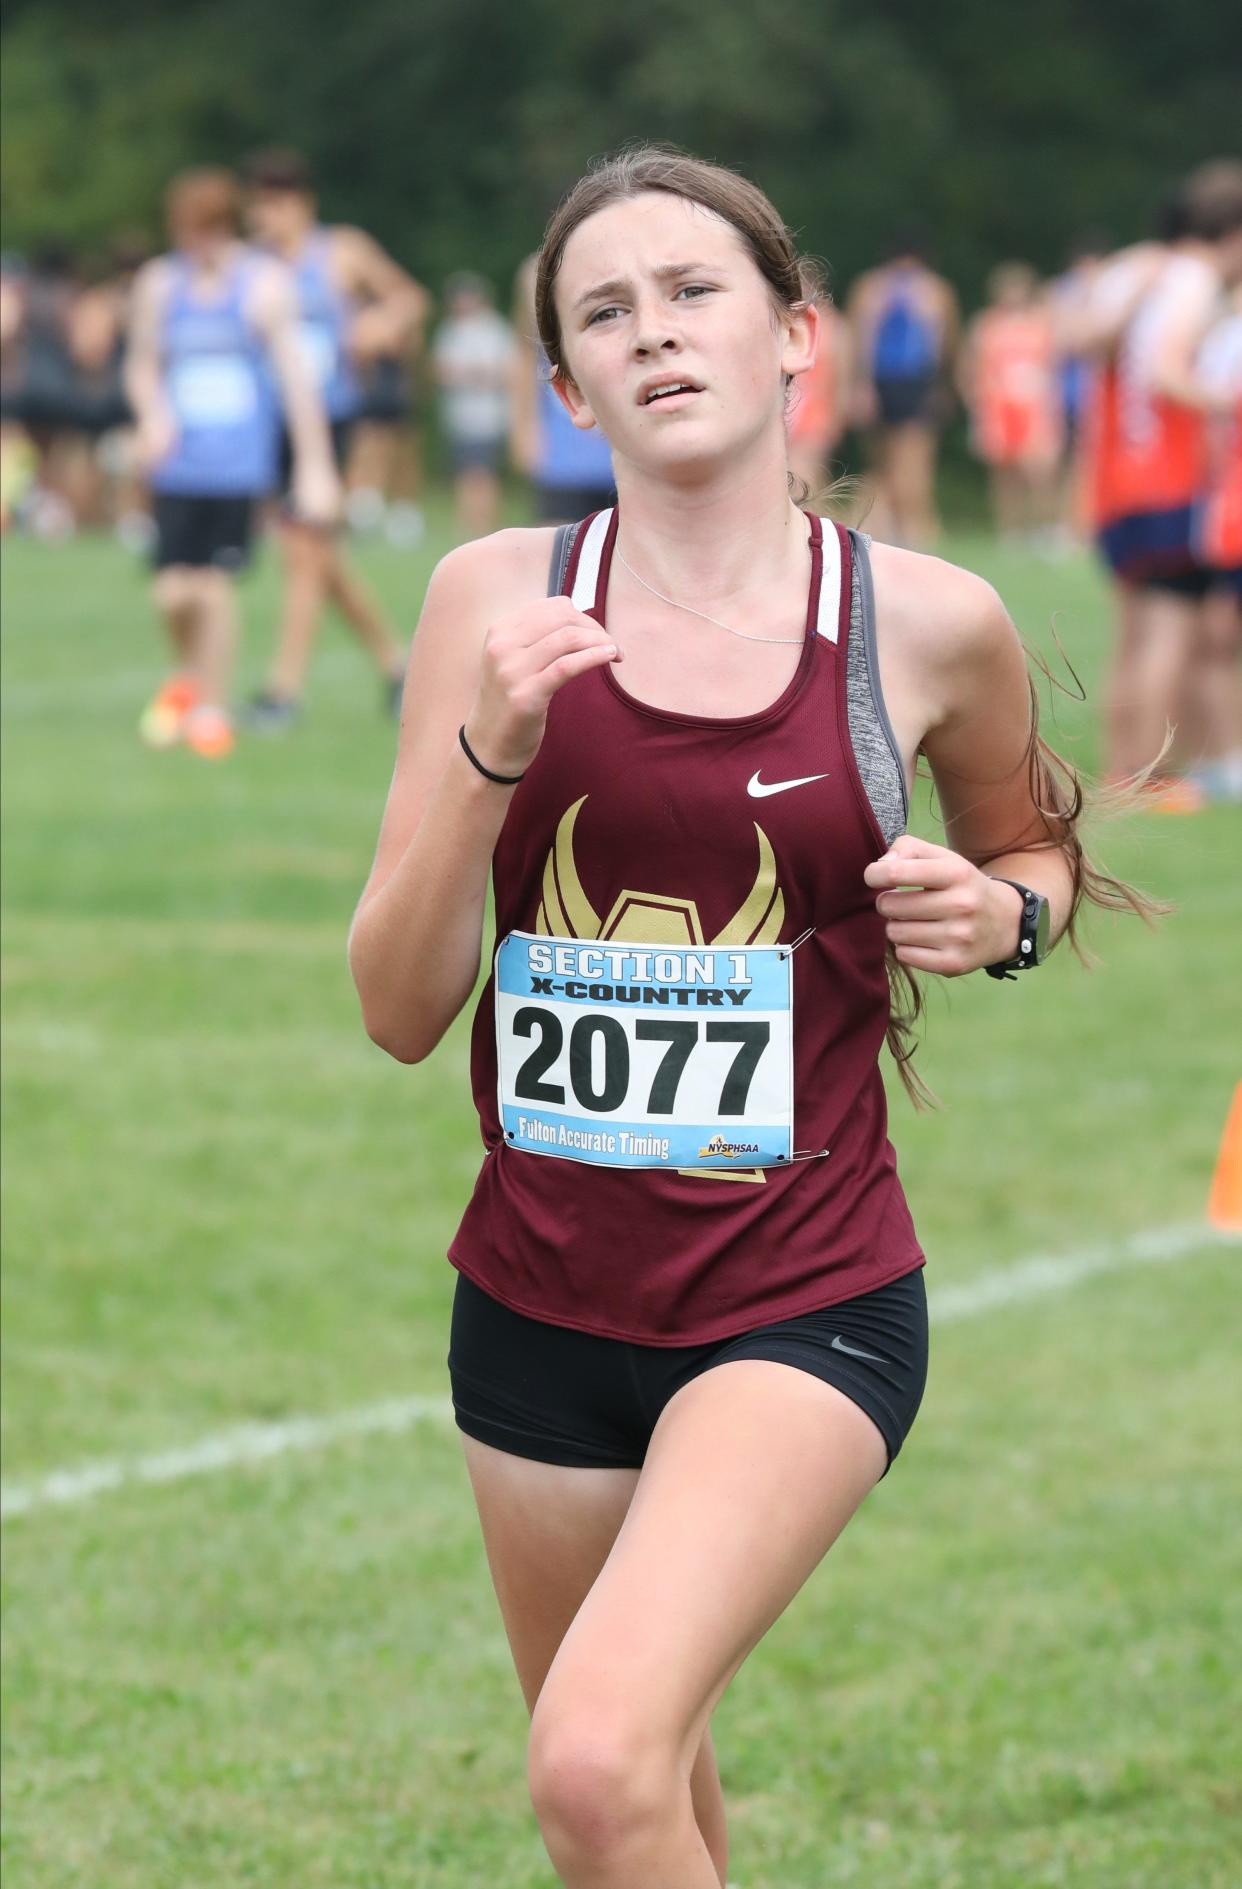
point(804, 336)
point(574, 403)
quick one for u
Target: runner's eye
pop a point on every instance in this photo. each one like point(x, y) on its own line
point(612, 309)
point(696, 289)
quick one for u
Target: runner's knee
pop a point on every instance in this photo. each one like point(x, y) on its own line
point(598, 1782)
point(175, 587)
point(215, 587)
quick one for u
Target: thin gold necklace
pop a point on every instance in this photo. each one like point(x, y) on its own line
point(690, 609)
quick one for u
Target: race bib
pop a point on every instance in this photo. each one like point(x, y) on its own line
point(317, 345)
point(645, 1056)
point(214, 390)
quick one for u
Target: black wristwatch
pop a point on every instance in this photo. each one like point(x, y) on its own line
point(1032, 937)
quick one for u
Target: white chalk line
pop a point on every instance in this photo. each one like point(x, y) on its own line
point(1031, 1278)
point(245, 1443)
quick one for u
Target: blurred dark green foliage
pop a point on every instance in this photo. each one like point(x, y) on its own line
point(449, 127)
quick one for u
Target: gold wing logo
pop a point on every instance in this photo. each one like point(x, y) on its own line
point(565, 911)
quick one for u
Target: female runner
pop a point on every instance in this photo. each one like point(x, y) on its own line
point(689, 1332)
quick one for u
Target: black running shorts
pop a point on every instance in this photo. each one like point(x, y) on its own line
point(386, 392)
point(565, 1396)
point(914, 397)
point(204, 533)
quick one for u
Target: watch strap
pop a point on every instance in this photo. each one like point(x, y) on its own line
point(1027, 955)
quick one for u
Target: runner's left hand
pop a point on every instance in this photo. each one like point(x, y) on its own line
point(949, 917)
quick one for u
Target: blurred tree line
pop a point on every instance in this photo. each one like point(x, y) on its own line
point(450, 127)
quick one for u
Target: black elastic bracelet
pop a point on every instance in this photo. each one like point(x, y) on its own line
point(501, 780)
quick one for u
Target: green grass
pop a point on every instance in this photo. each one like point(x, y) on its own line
point(223, 1204)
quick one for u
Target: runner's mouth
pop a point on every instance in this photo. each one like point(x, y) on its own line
point(667, 391)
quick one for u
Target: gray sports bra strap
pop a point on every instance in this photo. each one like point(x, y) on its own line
point(871, 732)
point(562, 551)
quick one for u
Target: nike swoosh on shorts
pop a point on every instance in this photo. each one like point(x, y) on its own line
point(839, 1345)
point(759, 790)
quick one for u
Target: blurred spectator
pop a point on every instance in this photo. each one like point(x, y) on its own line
point(212, 333)
point(569, 469)
point(474, 354)
point(1152, 473)
point(43, 397)
point(1070, 294)
point(100, 321)
point(1008, 380)
point(904, 321)
point(384, 473)
point(817, 413)
point(1215, 688)
point(106, 480)
point(18, 457)
point(65, 413)
point(356, 306)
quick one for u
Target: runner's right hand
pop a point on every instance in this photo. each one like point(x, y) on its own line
point(155, 437)
point(317, 495)
point(526, 659)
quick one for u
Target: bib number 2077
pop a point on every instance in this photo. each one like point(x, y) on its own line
point(604, 1033)
point(627, 1055)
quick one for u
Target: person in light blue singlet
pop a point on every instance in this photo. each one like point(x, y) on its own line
point(573, 469)
point(569, 469)
point(355, 304)
point(212, 342)
point(217, 384)
point(904, 320)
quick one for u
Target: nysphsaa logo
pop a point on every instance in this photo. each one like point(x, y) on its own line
point(718, 1145)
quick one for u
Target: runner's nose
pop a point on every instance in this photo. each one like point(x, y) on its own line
point(654, 330)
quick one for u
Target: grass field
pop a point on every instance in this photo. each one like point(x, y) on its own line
point(1018, 1668)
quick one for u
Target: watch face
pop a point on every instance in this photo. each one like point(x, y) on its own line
point(1042, 927)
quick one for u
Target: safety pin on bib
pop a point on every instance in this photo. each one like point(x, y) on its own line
point(787, 951)
point(804, 1154)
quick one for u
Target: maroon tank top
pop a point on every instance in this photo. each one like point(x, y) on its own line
point(638, 823)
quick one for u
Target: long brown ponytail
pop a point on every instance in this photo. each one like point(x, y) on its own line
point(1067, 802)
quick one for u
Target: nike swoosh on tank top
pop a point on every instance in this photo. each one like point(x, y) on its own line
point(634, 823)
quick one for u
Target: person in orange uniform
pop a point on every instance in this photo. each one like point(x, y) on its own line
point(1089, 326)
point(1150, 473)
point(1007, 377)
point(1215, 691)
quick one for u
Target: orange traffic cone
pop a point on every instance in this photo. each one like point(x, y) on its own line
point(1225, 1199)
